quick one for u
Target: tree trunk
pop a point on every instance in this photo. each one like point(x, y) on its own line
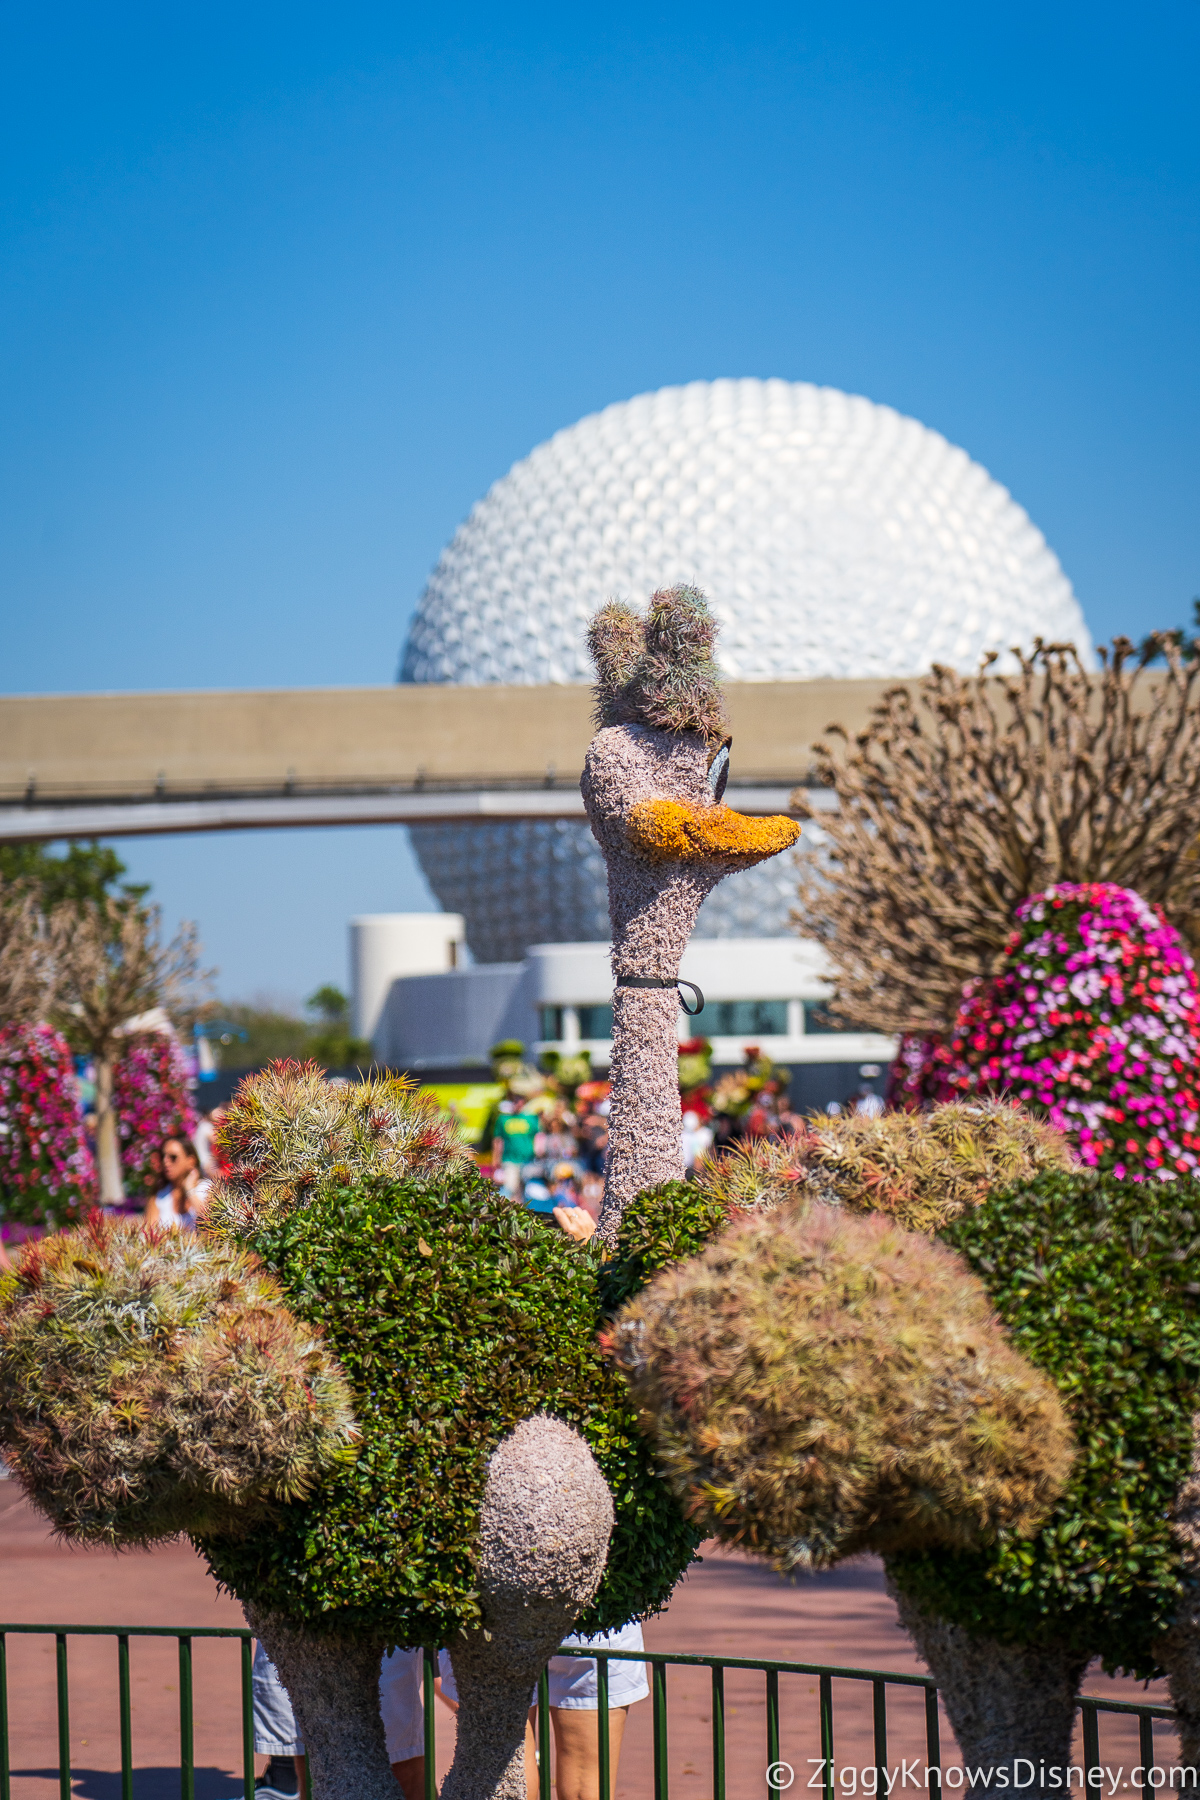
point(108, 1143)
point(544, 1528)
point(1012, 1707)
point(333, 1685)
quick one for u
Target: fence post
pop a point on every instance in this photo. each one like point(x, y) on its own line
point(718, 1731)
point(773, 1786)
point(826, 1685)
point(430, 1702)
point(658, 1677)
point(933, 1742)
point(64, 1717)
point(125, 1702)
point(187, 1745)
point(247, 1718)
point(5, 1777)
point(603, 1744)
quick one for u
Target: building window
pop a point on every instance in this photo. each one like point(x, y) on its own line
point(819, 1019)
point(595, 1021)
point(745, 1018)
point(552, 1023)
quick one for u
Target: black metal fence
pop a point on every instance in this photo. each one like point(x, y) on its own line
point(778, 1775)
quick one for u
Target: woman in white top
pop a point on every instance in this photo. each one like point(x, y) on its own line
point(179, 1205)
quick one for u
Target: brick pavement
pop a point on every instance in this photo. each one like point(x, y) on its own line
point(726, 1605)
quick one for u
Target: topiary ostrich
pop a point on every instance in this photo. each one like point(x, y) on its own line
point(372, 1395)
point(652, 784)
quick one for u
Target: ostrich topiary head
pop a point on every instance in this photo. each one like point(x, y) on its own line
point(152, 1383)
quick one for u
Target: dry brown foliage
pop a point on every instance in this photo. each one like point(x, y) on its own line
point(27, 973)
point(966, 794)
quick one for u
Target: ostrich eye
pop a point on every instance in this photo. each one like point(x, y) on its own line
point(718, 772)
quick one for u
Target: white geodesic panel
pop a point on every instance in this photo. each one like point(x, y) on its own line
point(833, 537)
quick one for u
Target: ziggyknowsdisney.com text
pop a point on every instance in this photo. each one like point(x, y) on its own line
point(1102, 1779)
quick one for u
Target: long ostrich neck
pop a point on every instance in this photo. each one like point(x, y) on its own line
point(653, 912)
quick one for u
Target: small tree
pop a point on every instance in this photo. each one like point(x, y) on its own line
point(112, 966)
point(967, 794)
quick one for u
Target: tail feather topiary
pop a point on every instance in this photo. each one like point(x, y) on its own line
point(289, 1129)
point(922, 1169)
point(152, 1383)
point(817, 1384)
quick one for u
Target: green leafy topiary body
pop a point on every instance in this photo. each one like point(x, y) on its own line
point(1096, 1280)
point(455, 1315)
point(669, 1223)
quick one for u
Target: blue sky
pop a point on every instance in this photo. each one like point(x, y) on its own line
point(284, 289)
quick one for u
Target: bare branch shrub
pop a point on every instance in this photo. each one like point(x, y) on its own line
point(111, 966)
point(966, 794)
point(26, 959)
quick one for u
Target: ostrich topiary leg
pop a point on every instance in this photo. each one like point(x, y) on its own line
point(1005, 1701)
point(333, 1685)
point(543, 1539)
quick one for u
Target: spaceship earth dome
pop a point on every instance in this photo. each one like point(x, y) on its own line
point(833, 537)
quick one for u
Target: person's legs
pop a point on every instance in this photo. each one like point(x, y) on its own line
point(577, 1750)
point(410, 1773)
point(301, 1763)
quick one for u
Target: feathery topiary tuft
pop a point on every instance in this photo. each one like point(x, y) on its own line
point(922, 1169)
point(659, 671)
point(152, 1383)
point(817, 1384)
point(289, 1129)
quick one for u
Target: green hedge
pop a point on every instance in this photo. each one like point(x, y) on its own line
point(665, 1224)
point(454, 1315)
point(1097, 1280)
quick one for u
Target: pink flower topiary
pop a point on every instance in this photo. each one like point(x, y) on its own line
point(47, 1176)
point(1093, 1019)
point(152, 1101)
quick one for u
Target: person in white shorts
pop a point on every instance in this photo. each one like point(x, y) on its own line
point(276, 1733)
point(574, 1704)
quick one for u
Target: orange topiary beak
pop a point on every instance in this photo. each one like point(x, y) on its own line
point(672, 831)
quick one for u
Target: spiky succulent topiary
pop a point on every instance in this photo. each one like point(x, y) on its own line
point(922, 1169)
point(291, 1129)
point(817, 1384)
point(154, 1383)
point(660, 670)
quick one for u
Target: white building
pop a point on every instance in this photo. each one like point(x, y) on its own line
point(771, 992)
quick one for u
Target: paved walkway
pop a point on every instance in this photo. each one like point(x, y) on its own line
point(726, 1605)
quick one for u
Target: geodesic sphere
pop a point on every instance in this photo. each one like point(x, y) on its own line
point(833, 537)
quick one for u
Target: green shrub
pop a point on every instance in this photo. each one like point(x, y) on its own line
point(664, 1225)
point(817, 1383)
point(455, 1315)
point(1097, 1281)
point(151, 1383)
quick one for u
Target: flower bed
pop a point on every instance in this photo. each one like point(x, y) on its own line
point(47, 1176)
point(151, 1099)
point(1094, 1019)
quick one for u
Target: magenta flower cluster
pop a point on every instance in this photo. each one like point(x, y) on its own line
point(152, 1102)
point(47, 1176)
point(1094, 1019)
